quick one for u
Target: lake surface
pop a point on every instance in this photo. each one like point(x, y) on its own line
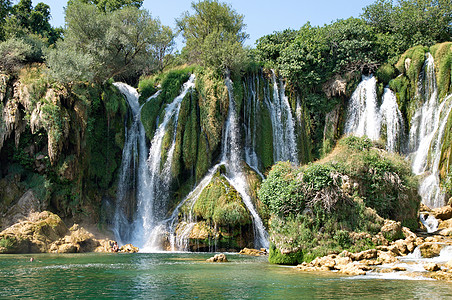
point(188, 276)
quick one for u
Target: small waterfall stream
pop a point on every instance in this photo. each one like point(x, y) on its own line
point(427, 126)
point(363, 117)
point(284, 140)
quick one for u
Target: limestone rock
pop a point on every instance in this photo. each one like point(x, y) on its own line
point(253, 252)
point(391, 230)
point(430, 249)
point(325, 261)
point(25, 206)
point(218, 258)
point(341, 261)
point(443, 213)
point(367, 254)
point(386, 257)
point(352, 269)
point(432, 267)
point(445, 224)
point(129, 248)
point(398, 269)
point(424, 208)
point(34, 235)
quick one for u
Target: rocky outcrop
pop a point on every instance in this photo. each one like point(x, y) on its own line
point(34, 235)
point(443, 213)
point(128, 248)
point(218, 258)
point(253, 252)
point(27, 205)
point(44, 232)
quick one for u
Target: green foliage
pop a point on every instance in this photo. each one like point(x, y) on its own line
point(276, 257)
point(13, 54)
point(146, 88)
point(111, 5)
point(411, 22)
point(8, 242)
point(118, 42)
point(356, 143)
point(214, 35)
point(385, 73)
point(280, 191)
point(337, 196)
point(269, 47)
point(442, 53)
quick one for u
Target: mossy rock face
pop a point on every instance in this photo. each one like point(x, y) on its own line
point(221, 204)
point(292, 258)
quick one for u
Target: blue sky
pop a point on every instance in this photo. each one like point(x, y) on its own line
point(261, 16)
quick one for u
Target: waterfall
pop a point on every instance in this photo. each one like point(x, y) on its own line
point(250, 112)
point(427, 133)
point(392, 118)
point(133, 171)
point(231, 159)
point(363, 117)
point(284, 140)
point(153, 176)
point(430, 222)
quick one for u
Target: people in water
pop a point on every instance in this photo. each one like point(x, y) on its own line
point(115, 247)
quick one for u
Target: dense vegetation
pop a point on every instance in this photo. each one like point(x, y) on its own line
point(70, 129)
point(326, 206)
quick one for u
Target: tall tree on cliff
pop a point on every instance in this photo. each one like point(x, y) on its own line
point(214, 35)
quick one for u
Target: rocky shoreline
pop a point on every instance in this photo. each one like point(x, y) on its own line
point(422, 255)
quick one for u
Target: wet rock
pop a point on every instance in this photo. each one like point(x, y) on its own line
point(129, 248)
point(445, 224)
point(218, 258)
point(253, 252)
point(430, 249)
point(398, 269)
point(424, 208)
point(325, 261)
point(368, 254)
point(387, 257)
point(432, 267)
point(352, 269)
point(443, 213)
point(341, 261)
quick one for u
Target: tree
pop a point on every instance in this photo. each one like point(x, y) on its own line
point(111, 5)
point(107, 44)
point(210, 31)
point(5, 7)
point(412, 22)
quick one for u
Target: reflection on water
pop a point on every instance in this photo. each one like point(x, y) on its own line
point(187, 275)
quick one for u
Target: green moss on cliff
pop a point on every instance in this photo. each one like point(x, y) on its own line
point(219, 203)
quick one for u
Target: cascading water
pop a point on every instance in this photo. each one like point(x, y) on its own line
point(152, 181)
point(284, 140)
point(232, 157)
point(363, 117)
point(426, 135)
point(392, 118)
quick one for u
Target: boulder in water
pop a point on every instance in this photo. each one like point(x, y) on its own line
point(432, 267)
point(253, 252)
point(218, 258)
point(129, 248)
point(430, 249)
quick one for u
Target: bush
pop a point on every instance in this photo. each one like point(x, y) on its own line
point(276, 257)
point(13, 53)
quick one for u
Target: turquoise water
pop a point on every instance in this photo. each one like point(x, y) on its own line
point(188, 276)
